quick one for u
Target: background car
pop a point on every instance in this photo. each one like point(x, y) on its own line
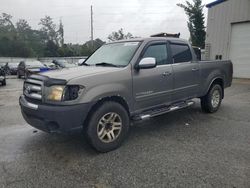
point(2, 76)
point(5, 67)
point(13, 68)
point(63, 63)
point(26, 68)
point(50, 65)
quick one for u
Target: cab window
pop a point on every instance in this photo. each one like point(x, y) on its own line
point(157, 51)
point(181, 53)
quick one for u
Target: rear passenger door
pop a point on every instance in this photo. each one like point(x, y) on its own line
point(152, 87)
point(186, 72)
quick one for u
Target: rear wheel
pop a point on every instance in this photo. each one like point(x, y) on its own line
point(212, 100)
point(108, 127)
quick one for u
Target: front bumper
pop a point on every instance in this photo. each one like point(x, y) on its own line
point(54, 118)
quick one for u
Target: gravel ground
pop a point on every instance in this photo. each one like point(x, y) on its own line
point(186, 148)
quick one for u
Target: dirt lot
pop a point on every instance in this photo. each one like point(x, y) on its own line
point(181, 149)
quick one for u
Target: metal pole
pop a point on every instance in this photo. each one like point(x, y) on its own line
point(92, 37)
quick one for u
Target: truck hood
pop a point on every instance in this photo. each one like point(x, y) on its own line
point(80, 71)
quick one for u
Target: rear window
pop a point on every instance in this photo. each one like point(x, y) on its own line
point(181, 53)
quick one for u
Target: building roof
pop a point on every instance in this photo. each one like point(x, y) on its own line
point(215, 3)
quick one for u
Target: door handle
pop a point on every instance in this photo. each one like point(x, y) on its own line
point(195, 69)
point(166, 73)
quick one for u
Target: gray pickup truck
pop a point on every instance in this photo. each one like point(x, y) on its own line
point(121, 82)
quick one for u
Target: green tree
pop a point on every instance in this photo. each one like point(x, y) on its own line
point(7, 28)
point(119, 35)
point(51, 49)
point(23, 29)
point(196, 21)
point(49, 29)
point(22, 26)
point(20, 40)
point(65, 51)
point(50, 36)
point(61, 33)
point(10, 42)
point(31, 38)
point(88, 46)
point(5, 22)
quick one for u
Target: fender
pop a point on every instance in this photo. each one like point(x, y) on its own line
point(99, 92)
point(211, 78)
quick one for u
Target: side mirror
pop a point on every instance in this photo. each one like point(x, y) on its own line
point(147, 63)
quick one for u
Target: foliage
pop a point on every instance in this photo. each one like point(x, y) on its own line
point(61, 34)
point(20, 40)
point(195, 22)
point(48, 30)
point(119, 35)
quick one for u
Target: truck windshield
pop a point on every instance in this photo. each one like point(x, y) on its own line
point(114, 54)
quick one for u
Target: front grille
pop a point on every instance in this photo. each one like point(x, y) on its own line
point(33, 89)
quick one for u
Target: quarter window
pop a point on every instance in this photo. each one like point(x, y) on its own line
point(157, 51)
point(181, 53)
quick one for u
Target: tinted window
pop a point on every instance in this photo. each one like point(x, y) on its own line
point(181, 53)
point(159, 52)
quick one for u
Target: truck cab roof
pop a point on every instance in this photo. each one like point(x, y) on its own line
point(149, 39)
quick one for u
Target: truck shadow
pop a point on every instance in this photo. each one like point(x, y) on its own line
point(59, 146)
point(72, 152)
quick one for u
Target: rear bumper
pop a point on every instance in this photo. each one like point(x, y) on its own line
point(59, 119)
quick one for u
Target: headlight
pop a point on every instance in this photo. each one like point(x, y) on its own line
point(63, 93)
point(55, 93)
point(72, 92)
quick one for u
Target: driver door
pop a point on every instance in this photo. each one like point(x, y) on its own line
point(152, 87)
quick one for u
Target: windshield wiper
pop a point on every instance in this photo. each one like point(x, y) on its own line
point(105, 64)
point(84, 64)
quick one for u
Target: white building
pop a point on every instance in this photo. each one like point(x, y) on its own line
point(228, 34)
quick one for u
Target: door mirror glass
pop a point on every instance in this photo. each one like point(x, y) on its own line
point(147, 63)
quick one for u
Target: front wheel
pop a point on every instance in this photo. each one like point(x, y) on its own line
point(212, 100)
point(4, 82)
point(108, 126)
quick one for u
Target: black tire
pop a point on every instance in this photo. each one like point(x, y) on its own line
point(102, 111)
point(18, 75)
point(207, 104)
point(4, 82)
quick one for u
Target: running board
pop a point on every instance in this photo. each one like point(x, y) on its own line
point(163, 110)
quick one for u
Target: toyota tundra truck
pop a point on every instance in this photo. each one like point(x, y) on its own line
point(123, 81)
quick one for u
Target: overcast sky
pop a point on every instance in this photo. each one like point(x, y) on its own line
point(139, 17)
